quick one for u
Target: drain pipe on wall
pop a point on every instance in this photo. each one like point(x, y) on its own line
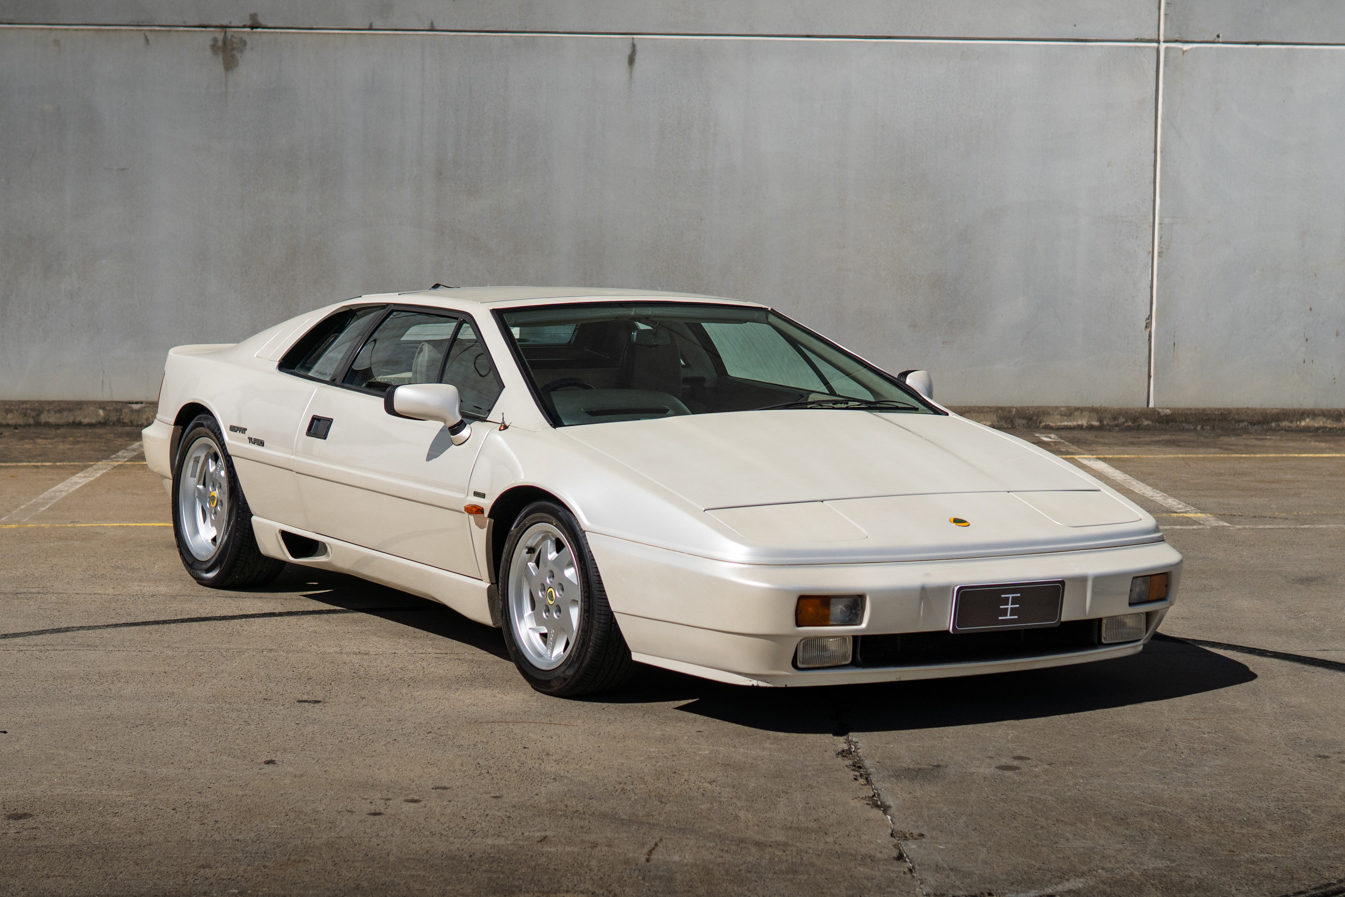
point(1158, 171)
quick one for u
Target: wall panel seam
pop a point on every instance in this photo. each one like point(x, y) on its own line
point(613, 35)
point(651, 35)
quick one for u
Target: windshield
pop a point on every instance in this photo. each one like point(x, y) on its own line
point(615, 361)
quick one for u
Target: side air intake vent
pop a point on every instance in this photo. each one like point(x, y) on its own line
point(302, 547)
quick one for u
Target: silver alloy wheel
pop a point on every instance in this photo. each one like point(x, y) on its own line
point(203, 498)
point(544, 596)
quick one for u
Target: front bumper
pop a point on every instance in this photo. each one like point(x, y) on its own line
point(735, 622)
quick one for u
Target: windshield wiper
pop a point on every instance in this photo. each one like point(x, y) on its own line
point(840, 402)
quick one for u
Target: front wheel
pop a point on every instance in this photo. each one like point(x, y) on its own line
point(558, 627)
point(211, 518)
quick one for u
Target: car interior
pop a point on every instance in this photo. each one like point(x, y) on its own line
point(406, 347)
point(618, 363)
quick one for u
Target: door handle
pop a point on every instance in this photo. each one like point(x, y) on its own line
point(319, 427)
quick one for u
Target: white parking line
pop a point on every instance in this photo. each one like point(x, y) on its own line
point(1178, 507)
point(60, 491)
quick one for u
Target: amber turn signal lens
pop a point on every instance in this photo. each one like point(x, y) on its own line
point(829, 610)
point(813, 611)
point(474, 510)
point(1144, 589)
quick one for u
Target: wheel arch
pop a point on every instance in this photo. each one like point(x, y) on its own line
point(185, 415)
point(503, 512)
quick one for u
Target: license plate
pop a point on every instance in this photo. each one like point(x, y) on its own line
point(1021, 605)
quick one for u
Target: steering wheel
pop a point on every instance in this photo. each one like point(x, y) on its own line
point(567, 383)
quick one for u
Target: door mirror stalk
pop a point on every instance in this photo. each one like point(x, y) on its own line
point(429, 401)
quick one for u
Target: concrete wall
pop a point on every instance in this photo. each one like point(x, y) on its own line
point(1251, 285)
point(1054, 19)
point(972, 192)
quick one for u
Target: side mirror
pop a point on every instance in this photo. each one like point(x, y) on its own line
point(429, 401)
point(920, 381)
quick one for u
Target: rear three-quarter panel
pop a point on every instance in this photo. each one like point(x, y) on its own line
point(258, 409)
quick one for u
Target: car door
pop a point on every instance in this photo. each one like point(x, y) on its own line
point(269, 409)
point(388, 483)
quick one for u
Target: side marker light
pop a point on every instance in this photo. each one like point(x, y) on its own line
point(958, 521)
point(474, 510)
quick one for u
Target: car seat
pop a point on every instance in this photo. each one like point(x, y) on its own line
point(653, 362)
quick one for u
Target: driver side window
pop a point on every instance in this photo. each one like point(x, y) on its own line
point(408, 347)
point(418, 347)
point(318, 353)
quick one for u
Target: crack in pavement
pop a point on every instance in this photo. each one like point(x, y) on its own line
point(862, 772)
point(852, 754)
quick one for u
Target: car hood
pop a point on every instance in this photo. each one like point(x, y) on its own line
point(811, 455)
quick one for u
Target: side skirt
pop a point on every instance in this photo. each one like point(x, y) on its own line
point(463, 594)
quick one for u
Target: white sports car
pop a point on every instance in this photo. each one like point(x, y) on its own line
point(616, 475)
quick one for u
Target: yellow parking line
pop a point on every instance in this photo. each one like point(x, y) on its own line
point(56, 525)
point(1129, 482)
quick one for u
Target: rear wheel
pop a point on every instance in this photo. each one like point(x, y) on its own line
point(558, 627)
point(211, 518)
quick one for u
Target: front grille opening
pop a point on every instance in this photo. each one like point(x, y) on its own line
point(918, 649)
point(301, 546)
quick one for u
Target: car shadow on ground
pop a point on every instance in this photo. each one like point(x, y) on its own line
point(339, 590)
point(1167, 669)
point(1164, 671)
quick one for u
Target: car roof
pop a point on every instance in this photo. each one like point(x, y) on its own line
point(449, 297)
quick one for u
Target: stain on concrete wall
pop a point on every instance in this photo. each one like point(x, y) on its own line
point(848, 183)
point(1012, 19)
point(228, 48)
point(980, 208)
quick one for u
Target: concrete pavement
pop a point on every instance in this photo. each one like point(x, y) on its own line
point(328, 736)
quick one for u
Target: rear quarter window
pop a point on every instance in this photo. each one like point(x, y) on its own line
point(320, 351)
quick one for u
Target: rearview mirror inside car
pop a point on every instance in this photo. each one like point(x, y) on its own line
point(429, 401)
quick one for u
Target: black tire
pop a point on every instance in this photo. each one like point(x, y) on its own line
point(234, 561)
point(598, 659)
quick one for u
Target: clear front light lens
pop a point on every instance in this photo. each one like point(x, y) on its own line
point(1127, 628)
point(831, 651)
